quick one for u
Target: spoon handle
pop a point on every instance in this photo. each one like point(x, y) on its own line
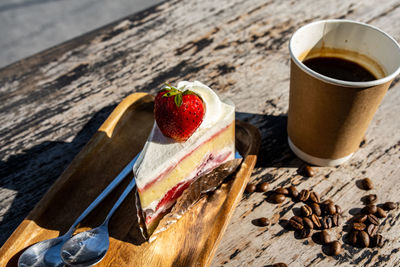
point(109, 188)
point(124, 194)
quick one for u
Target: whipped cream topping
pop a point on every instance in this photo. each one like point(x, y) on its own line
point(160, 152)
point(213, 105)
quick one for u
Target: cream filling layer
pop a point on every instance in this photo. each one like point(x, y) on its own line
point(151, 208)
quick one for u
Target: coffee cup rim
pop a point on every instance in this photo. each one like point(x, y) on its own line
point(330, 80)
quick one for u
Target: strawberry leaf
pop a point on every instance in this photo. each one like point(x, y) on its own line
point(178, 100)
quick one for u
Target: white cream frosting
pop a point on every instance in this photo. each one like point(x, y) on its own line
point(161, 152)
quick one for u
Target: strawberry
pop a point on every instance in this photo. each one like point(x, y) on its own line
point(178, 113)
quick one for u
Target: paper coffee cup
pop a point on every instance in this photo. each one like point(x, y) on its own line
point(328, 118)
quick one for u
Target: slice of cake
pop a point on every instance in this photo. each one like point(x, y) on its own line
point(194, 133)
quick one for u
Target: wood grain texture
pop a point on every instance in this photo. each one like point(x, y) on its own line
point(53, 102)
point(192, 240)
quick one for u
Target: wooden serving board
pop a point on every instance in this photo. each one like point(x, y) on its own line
point(191, 241)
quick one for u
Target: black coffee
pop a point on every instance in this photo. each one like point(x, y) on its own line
point(340, 69)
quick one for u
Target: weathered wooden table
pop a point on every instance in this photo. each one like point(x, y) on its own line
point(53, 102)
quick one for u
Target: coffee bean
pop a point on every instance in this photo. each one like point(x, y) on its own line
point(282, 191)
point(353, 237)
point(314, 197)
point(380, 213)
point(309, 172)
point(336, 220)
point(262, 187)
point(335, 248)
point(389, 205)
point(370, 199)
point(316, 221)
point(338, 209)
point(308, 223)
point(262, 221)
point(377, 241)
point(279, 264)
point(373, 219)
point(306, 210)
point(304, 195)
point(278, 198)
point(326, 222)
point(325, 237)
point(250, 188)
point(372, 230)
point(359, 226)
point(296, 223)
point(367, 184)
point(316, 209)
point(305, 232)
point(330, 209)
point(293, 191)
point(360, 218)
point(327, 202)
point(370, 209)
point(363, 238)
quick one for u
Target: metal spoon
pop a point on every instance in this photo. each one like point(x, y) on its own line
point(90, 247)
point(47, 253)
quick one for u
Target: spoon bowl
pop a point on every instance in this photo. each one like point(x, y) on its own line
point(43, 254)
point(86, 248)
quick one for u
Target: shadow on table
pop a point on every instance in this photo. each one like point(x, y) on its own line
point(46, 162)
point(274, 150)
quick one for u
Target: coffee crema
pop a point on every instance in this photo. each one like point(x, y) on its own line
point(340, 69)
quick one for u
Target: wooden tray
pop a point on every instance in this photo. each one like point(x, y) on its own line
point(191, 241)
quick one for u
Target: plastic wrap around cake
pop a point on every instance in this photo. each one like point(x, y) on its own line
point(200, 187)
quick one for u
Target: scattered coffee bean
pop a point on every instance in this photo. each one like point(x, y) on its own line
point(327, 202)
point(316, 221)
point(293, 191)
point(359, 226)
point(353, 237)
point(304, 195)
point(326, 222)
point(370, 209)
point(250, 188)
point(308, 223)
point(360, 218)
point(330, 209)
point(282, 191)
point(363, 238)
point(372, 230)
point(370, 199)
point(338, 209)
point(306, 210)
point(279, 264)
point(377, 241)
point(316, 209)
point(336, 220)
point(305, 232)
point(373, 219)
point(309, 172)
point(389, 205)
point(296, 223)
point(314, 197)
point(325, 237)
point(262, 187)
point(367, 184)
point(335, 248)
point(278, 198)
point(262, 221)
point(380, 213)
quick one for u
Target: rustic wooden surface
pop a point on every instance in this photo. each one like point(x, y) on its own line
point(53, 102)
point(192, 240)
